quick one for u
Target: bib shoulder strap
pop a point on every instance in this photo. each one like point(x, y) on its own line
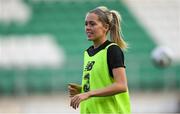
point(111, 45)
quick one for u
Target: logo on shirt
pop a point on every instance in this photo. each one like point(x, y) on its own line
point(89, 65)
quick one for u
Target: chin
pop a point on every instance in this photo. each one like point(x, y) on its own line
point(90, 39)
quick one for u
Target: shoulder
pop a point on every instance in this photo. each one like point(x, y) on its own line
point(115, 56)
point(114, 49)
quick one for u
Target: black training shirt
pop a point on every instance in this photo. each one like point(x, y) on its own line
point(115, 56)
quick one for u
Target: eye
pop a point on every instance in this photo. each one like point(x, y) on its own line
point(92, 23)
point(86, 23)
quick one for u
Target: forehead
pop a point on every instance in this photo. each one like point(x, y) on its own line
point(91, 17)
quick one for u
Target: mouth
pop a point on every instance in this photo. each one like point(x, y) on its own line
point(89, 34)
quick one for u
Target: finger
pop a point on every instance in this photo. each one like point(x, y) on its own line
point(70, 89)
point(73, 102)
point(73, 85)
point(73, 105)
point(77, 103)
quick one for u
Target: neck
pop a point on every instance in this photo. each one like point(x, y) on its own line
point(97, 43)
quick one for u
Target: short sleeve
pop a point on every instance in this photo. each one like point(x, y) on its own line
point(115, 57)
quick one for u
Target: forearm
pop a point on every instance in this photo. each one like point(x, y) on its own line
point(108, 91)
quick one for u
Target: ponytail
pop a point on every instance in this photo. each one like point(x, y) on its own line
point(115, 30)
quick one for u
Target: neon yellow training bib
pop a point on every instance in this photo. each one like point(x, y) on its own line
point(96, 76)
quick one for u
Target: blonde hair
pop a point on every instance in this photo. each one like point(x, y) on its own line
point(113, 19)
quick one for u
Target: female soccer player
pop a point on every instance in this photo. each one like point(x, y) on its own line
point(104, 85)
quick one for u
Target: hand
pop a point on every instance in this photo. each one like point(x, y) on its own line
point(74, 89)
point(75, 101)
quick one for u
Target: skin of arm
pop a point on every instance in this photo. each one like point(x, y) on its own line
point(119, 86)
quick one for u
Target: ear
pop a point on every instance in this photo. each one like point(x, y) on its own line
point(106, 26)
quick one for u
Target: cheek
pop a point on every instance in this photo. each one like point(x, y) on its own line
point(100, 31)
point(101, 28)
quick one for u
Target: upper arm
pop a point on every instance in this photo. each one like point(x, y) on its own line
point(120, 76)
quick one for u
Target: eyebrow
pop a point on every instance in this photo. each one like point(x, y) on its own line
point(89, 21)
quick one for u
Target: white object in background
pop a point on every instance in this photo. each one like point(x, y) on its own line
point(14, 11)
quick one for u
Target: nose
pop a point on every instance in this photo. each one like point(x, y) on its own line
point(87, 27)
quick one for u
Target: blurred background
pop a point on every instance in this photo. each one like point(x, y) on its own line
point(42, 44)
